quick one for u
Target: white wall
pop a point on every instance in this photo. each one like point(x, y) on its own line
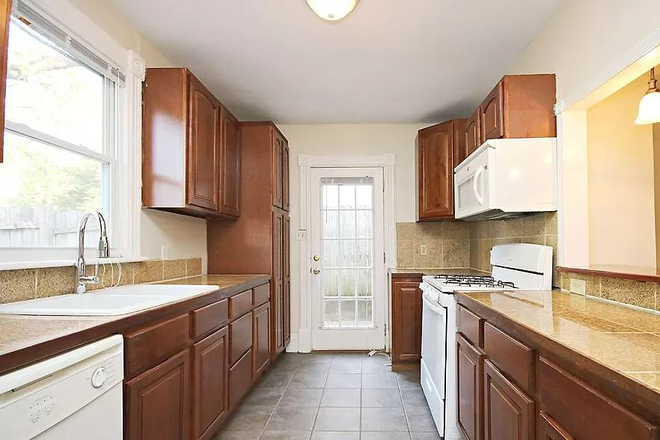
point(183, 236)
point(585, 44)
point(349, 140)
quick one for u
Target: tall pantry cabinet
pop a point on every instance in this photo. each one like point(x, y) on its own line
point(262, 233)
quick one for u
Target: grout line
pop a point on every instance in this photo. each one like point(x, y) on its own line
point(286, 387)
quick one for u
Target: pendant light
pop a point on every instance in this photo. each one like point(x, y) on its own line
point(332, 10)
point(649, 106)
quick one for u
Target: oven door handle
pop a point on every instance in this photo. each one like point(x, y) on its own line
point(434, 307)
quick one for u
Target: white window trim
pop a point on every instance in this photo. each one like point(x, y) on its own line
point(301, 341)
point(126, 199)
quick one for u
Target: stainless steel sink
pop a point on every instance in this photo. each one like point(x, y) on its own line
point(107, 302)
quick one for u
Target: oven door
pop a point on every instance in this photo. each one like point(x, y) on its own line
point(434, 358)
point(472, 185)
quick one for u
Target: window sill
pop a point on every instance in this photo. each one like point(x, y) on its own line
point(65, 263)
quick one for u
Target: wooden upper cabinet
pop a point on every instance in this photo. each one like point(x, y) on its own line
point(508, 411)
point(191, 147)
point(210, 383)
point(435, 174)
point(5, 6)
point(406, 320)
point(520, 106)
point(460, 141)
point(472, 132)
point(202, 157)
point(278, 170)
point(285, 175)
point(230, 176)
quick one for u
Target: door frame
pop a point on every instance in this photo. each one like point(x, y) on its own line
point(302, 342)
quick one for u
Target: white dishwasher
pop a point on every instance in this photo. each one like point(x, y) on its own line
point(73, 396)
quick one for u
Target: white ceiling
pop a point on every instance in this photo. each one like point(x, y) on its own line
point(389, 61)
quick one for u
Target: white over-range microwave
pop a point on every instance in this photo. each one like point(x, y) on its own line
point(507, 178)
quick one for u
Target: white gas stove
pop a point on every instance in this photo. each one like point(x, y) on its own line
point(515, 266)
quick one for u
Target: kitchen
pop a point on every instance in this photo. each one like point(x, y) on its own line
point(252, 265)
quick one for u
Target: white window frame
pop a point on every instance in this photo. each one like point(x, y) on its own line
point(125, 198)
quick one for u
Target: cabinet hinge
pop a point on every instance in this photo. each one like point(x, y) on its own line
point(384, 258)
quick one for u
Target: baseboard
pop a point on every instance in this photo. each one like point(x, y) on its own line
point(293, 344)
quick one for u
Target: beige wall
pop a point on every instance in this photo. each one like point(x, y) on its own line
point(349, 140)
point(621, 181)
point(656, 175)
point(185, 237)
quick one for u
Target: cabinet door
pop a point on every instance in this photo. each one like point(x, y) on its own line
point(286, 281)
point(491, 114)
point(278, 147)
point(158, 401)
point(472, 132)
point(230, 178)
point(435, 156)
point(5, 7)
point(240, 379)
point(548, 429)
point(261, 343)
point(285, 175)
point(210, 383)
point(406, 320)
point(202, 180)
point(278, 283)
point(460, 144)
point(508, 412)
point(470, 374)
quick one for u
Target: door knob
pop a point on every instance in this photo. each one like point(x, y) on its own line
point(316, 271)
point(316, 258)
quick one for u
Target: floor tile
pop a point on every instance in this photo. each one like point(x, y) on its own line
point(338, 419)
point(338, 397)
point(376, 364)
point(344, 380)
point(383, 419)
point(302, 397)
point(249, 418)
point(264, 397)
point(425, 435)
point(286, 435)
point(343, 366)
point(408, 379)
point(375, 398)
point(292, 419)
point(305, 379)
point(420, 419)
point(379, 380)
point(385, 436)
point(274, 379)
point(237, 435)
point(335, 435)
point(413, 398)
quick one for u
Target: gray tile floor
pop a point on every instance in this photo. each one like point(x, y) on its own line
point(333, 397)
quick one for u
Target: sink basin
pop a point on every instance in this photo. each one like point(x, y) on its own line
point(106, 302)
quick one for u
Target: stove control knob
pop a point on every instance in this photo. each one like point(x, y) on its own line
point(98, 377)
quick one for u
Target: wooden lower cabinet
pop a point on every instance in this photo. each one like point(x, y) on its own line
point(261, 341)
point(470, 376)
point(210, 383)
point(548, 429)
point(240, 379)
point(158, 401)
point(508, 411)
point(406, 320)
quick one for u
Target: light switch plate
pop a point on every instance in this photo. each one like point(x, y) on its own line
point(300, 235)
point(578, 286)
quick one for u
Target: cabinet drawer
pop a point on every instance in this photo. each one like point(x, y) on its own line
point(471, 325)
point(584, 412)
point(240, 379)
point(513, 358)
point(261, 294)
point(210, 317)
point(240, 337)
point(239, 304)
point(147, 347)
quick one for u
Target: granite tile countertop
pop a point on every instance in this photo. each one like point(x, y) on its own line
point(621, 338)
point(25, 339)
point(435, 271)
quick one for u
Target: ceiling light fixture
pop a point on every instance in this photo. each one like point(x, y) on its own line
point(332, 10)
point(649, 106)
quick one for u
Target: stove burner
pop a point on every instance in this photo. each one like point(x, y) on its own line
point(474, 281)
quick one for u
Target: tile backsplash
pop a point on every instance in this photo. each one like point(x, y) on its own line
point(452, 245)
point(24, 284)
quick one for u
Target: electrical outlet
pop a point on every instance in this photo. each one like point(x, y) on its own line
point(578, 286)
point(423, 249)
point(300, 235)
point(164, 252)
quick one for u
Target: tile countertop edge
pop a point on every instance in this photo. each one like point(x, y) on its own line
point(77, 331)
point(575, 362)
point(402, 273)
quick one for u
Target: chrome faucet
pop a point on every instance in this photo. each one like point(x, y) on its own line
point(103, 248)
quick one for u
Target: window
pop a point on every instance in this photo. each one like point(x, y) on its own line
point(61, 136)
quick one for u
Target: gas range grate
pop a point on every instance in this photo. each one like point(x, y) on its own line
point(474, 281)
